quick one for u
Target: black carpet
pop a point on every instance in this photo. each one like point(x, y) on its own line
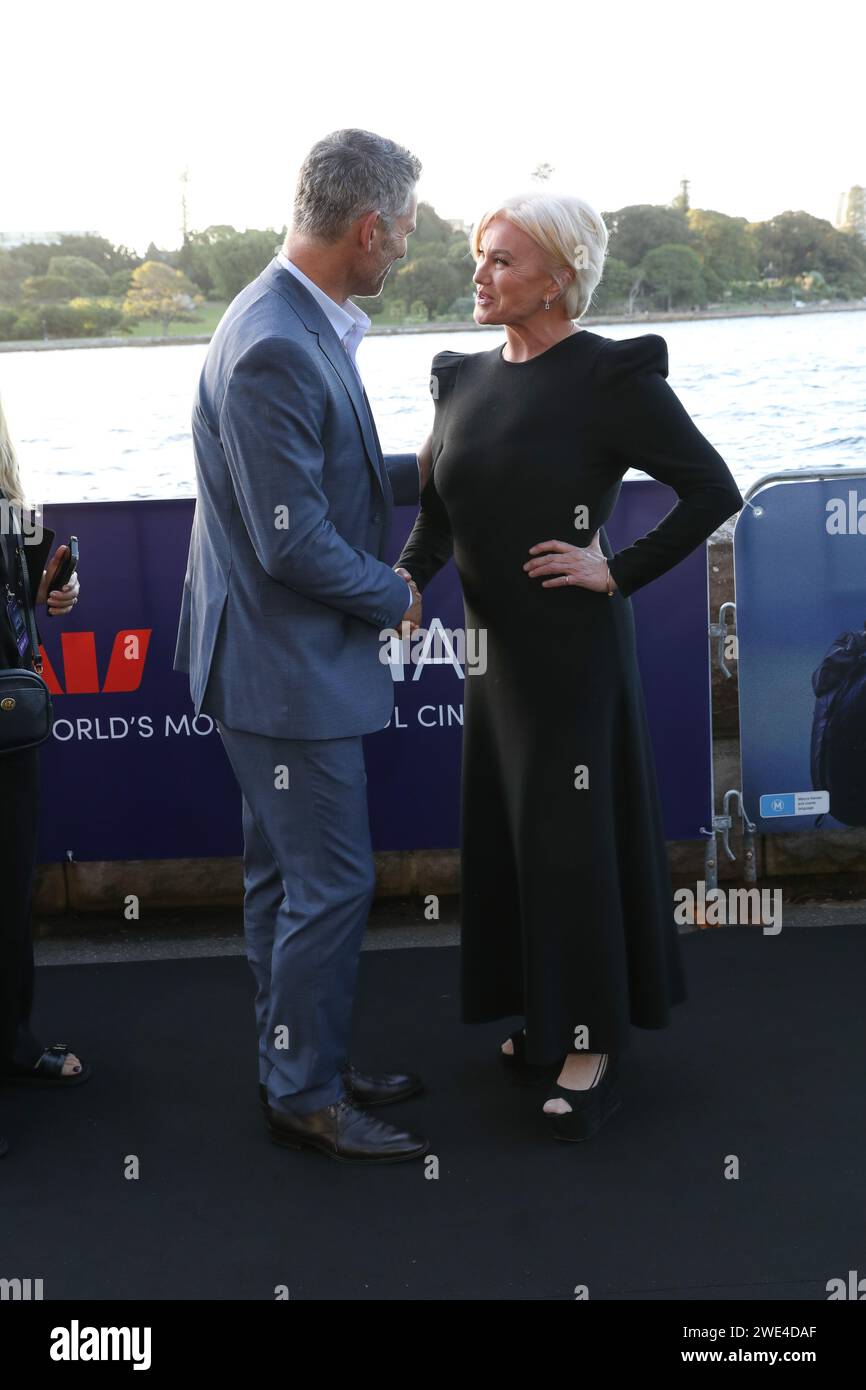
point(765, 1063)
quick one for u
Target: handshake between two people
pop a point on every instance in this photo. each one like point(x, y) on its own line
point(412, 616)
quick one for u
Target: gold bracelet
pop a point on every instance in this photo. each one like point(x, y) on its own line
point(609, 589)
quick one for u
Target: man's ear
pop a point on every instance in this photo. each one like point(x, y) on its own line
point(366, 229)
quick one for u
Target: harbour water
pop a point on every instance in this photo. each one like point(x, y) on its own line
point(768, 392)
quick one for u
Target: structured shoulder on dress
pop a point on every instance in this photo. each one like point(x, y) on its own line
point(447, 359)
point(440, 369)
point(623, 357)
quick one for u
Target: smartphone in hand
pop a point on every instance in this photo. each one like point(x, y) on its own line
point(68, 566)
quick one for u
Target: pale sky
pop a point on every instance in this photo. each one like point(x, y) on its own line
point(101, 108)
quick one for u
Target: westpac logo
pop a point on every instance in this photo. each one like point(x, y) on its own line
point(80, 673)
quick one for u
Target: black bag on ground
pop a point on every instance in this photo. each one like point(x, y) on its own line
point(838, 749)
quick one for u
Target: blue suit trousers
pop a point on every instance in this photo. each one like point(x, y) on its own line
point(309, 879)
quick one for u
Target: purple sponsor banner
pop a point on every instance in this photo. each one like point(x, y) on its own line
point(130, 773)
point(413, 767)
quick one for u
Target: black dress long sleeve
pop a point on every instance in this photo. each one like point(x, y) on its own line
point(646, 426)
point(566, 900)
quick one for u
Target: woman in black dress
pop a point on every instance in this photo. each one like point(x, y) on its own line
point(567, 904)
point(23, 1058)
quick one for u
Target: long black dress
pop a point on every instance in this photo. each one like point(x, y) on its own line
point(566, 899)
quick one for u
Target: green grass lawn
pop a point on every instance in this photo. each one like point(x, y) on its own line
point(207, 317)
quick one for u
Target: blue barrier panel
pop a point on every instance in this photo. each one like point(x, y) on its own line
point(130, 773)
point(800, 573)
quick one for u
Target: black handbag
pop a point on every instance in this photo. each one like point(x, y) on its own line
point(26, 707)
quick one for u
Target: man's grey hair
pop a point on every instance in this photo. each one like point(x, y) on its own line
point(349, 174)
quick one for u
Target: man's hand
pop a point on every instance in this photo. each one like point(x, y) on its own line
point(62, 601)
point(412, 616)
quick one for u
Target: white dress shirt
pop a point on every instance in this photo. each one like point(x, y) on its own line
point(348, 322)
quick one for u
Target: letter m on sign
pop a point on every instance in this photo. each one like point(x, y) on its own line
point(125, 667)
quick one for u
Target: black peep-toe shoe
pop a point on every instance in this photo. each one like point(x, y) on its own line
point(589, 1108)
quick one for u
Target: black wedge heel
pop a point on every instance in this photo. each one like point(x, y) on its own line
point(589, 1108)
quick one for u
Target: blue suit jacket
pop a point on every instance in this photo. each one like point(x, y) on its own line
point(286, 590)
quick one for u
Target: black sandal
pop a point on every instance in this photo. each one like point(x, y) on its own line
point(589, 1108)
point(526, 1073)
point(48, 1071)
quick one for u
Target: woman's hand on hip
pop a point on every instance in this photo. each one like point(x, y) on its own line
point(556, 563)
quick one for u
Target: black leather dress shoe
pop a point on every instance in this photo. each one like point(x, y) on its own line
point(382, 1089)
point(369, 1090)
point(346, 1133)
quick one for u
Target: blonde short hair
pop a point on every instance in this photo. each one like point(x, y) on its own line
point(568, 230)
point(10, 476)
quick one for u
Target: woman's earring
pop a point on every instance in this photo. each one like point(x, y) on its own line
point(547, 303)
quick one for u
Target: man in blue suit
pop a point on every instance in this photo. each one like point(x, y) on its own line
point(286, 594)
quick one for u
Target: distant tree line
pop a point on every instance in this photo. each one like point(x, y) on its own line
point(665, 257)
point(84, 286)
point(660, 256)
